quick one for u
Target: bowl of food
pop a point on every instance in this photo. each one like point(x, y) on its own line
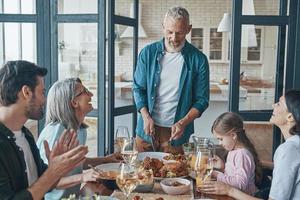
point(146, 181)
point(175, 186)
point(108, 175)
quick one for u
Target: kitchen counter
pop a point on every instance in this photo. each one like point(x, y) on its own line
point(219, 92)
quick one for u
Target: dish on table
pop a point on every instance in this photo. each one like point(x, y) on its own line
point(162, 168)
point(109, 173)
point(175, 186)
point(159, 155)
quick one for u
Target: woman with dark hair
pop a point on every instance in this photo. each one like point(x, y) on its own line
point(286, 173)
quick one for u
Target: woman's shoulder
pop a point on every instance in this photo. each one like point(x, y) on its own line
point(53, 129)
point(50, 133)
point(291, 144)
point(289, 150)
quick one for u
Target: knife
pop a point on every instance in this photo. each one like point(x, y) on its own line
point(152, 143)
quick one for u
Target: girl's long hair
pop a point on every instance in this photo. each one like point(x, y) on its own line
point(232, 122)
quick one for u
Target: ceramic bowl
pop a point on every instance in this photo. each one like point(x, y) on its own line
point(175, 186)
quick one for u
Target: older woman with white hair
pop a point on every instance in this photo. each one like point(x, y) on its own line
point(68, 103)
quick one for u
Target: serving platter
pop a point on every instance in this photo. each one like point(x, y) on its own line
point(159, 155)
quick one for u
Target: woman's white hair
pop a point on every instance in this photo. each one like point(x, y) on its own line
point(178, 12)
point(59, 108)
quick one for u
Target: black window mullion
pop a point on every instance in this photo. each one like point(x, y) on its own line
point(111, 72)
point(54, 41)
point(20, 18)
point(101, 111)
point(77, 18)
point(135, 53)
point(235, 57)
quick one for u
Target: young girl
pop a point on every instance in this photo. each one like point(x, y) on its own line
point(242, 169)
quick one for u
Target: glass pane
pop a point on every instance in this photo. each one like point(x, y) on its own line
point(77, 6)
point(18, 41)
point(215, 44)
point(261, 7)
point(91, 140)
point(77, 54)
point(261, 135)
point(124, 120)
point(17, 6)
point(258, 67)
point(123, 65)
point(125, 8)
point(197, 38)
point(254, 51)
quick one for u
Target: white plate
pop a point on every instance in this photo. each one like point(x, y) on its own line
point(109, 167)
point(159, 155)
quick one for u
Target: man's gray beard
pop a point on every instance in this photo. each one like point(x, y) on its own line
point(177, 49)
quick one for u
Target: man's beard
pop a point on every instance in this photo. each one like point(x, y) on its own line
point(173, 48)
point(33, 111)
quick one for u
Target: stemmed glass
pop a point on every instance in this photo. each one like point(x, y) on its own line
point(122, 134)
point(127, 180)
point(129, 151)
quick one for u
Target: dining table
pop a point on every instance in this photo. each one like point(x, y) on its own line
point(156, 193)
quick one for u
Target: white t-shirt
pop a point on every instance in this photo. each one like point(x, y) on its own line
point(31, 169)
point(167, 93)
point(286, 172)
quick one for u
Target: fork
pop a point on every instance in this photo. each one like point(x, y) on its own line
point(95, 169)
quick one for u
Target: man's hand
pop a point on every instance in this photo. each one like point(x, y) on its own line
point(62, 164)
point(176, 131)
point(178, 128)
point(149, 126)
point(148, 122)
point(67, 141)
point(65, 154)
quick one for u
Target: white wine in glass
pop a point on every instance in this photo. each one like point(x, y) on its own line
point(129, 151)
point(127, 180)
point(122, 134)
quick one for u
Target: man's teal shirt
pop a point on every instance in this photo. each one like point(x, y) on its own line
point(193, 84)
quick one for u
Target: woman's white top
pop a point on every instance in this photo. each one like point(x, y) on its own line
point(286, 172)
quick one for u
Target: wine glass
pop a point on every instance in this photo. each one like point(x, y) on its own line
point(129, 151)
point(122, 134)
point(127, 180)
